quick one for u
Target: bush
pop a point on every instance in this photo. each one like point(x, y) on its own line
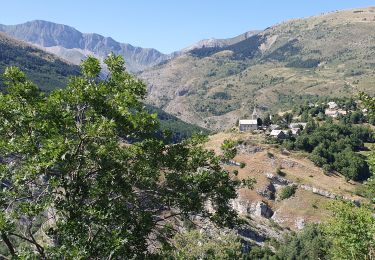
point(287, 192)
point(242, 165)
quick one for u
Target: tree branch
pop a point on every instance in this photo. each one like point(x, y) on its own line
point(9, 244)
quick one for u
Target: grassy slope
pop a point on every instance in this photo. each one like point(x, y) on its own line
point(330, 54)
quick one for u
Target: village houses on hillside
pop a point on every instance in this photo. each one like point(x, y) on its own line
point(333, 110)
point(274, 130)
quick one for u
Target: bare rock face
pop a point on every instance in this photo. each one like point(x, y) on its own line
point(263, 210)
point(250, 234)
point(249, 149)
point(300, 223)
point(258, 209)
point(278, 180)
point(241, 206)
point(268, 191)
point(275, 217)
point(323, 193)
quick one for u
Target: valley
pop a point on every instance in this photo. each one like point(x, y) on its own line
point(258, 146)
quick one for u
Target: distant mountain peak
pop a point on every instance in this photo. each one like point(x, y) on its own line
point(73, 45)
point(213, 42)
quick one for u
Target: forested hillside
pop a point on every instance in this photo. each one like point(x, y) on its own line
point(47, 70)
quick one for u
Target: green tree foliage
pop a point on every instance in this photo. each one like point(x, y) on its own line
point(83, 175)
point(175, 127)
point(288, 117)
point(287, 192)
point(335, 145)
point(197, 245)
point(351, 231)
point(369, 102)
point(266, 121)
point(368, 189)
point(45, 69)
point(310, 243)
point(229, 149)
point(261, 253)
point(351, 164)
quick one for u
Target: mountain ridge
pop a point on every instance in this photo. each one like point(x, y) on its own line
point(214, 42)
point(67, 42)
point(72, 45)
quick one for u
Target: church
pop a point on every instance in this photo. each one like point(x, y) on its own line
point(249, 124)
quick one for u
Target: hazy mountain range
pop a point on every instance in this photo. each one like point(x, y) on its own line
point(72, 45)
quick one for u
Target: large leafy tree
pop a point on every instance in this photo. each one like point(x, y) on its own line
point(83, 175)
point(351, 230)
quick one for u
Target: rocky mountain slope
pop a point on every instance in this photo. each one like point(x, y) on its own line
point(46, 70)
point(72, 45)
point(213, 42)
point(331, 54)
point(264, 204)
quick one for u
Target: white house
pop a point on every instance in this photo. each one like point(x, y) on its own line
point(279, 134)
point(335, 112)
point(249, 124)
point(331, 113)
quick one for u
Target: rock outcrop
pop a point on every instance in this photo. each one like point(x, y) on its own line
point(257, 209)
point(268, 191)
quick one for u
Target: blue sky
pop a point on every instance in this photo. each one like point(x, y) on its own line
point(168, 25)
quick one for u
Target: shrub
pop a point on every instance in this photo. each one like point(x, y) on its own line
point(242, 165)
point(287, 192)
